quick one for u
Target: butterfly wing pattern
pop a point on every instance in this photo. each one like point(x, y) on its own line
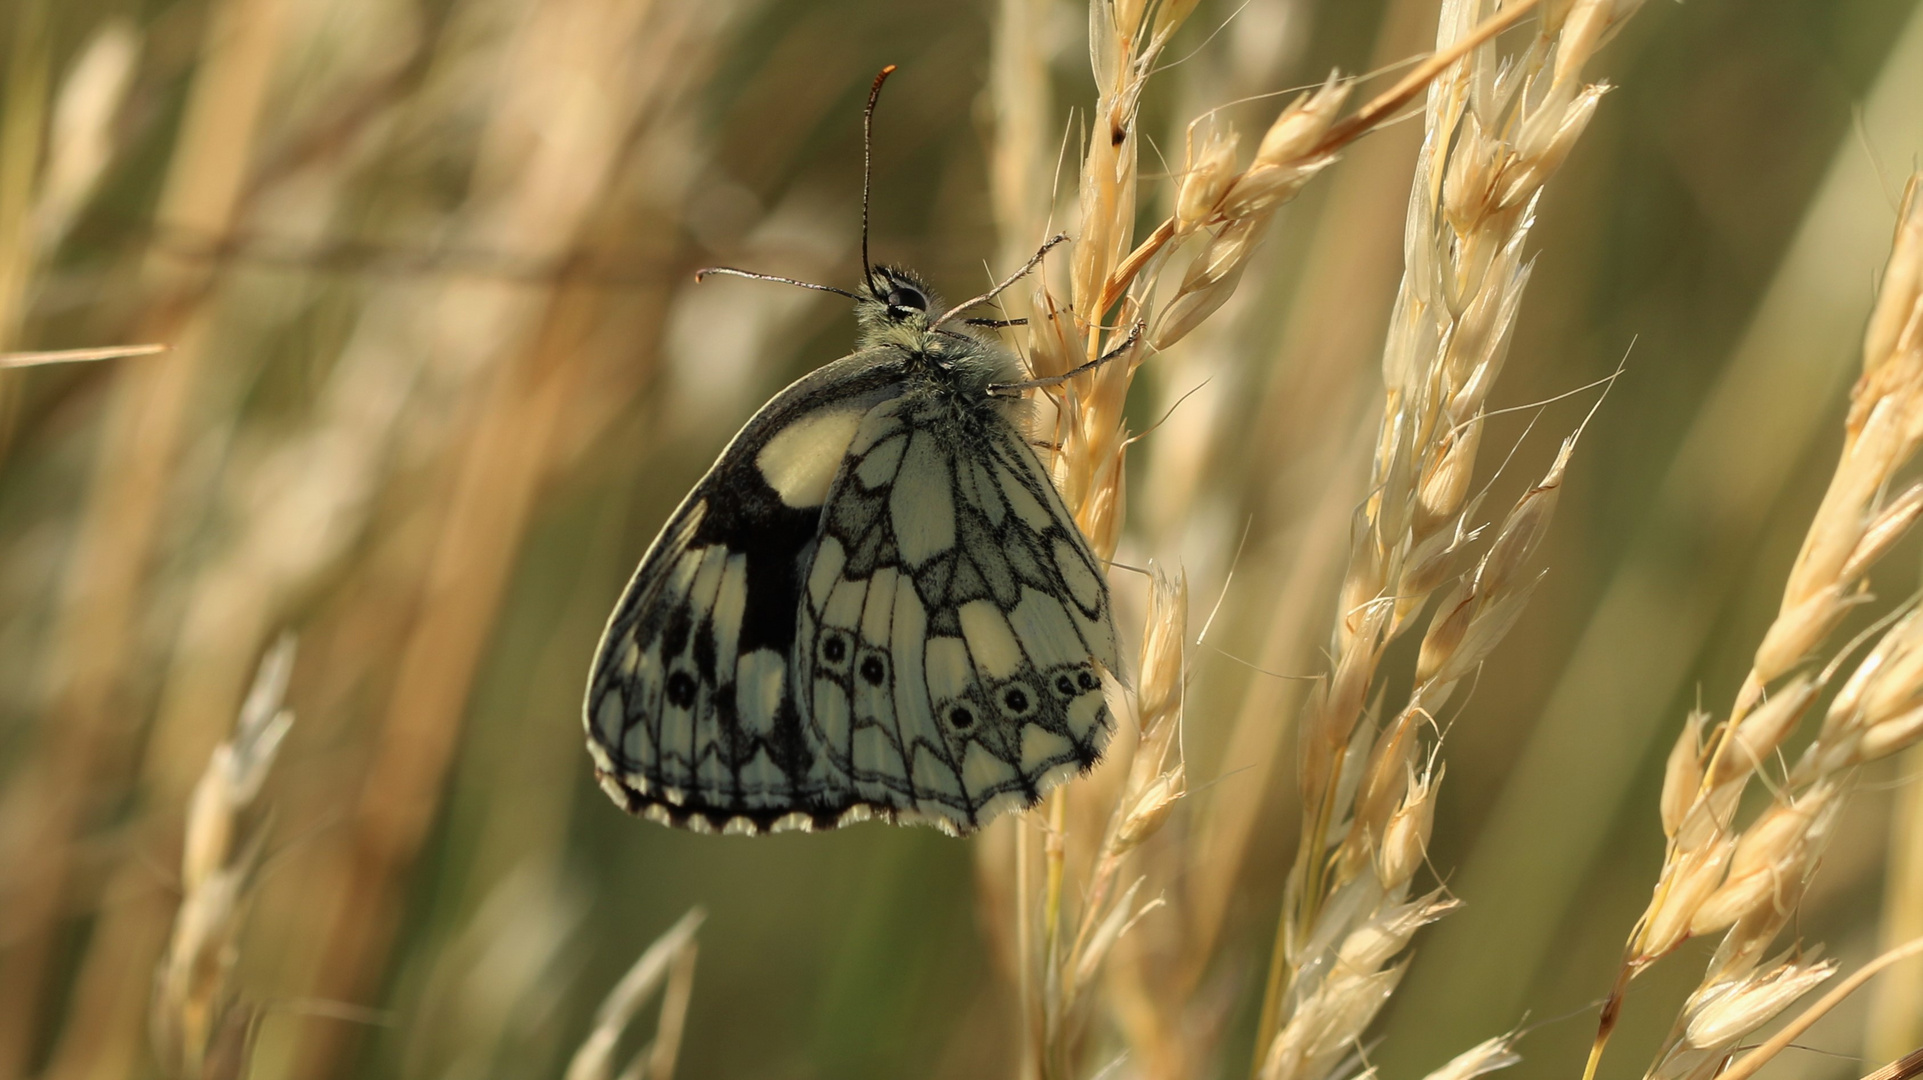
point(875, 604)
point(952, 625)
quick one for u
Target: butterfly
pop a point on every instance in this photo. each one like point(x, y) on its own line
point(874, 605)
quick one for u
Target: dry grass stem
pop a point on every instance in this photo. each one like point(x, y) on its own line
point(1495, 132)
point(1909, 1065)
point(1747, 881)
point(75, 356)
point(1127, 302)
point(1746, 1066)
point(668, 962)
point(1124, 303)
point(200, 1027)
point(1896, 1010)
point(433, 371)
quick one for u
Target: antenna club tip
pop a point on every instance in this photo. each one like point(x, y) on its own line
point(887, 70)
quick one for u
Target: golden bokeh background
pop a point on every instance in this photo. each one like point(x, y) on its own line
point(438, 370)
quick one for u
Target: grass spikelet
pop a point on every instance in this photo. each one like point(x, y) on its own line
point(1745, 881)
point(1154, 783)
point(1494, 135)
point(668, 965)
point(1484, 1057)
point(200, 1027)
point(1126, 303)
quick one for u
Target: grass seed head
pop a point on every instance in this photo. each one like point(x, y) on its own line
point(1301, 125)
point(194, 997)
point(1897, 733)
point(1732, 1010)
point(1754, 737)
point(1799, 629)
point(1405, 839)
point(1687, 882)
point(1893, 329)
point(1379, 939)
point(1484, 1057)
point(1206, 177)
point(1772, 858)
point(1151, 808)
point(1163, 669)
point(1683, 773)
point(1890, 524)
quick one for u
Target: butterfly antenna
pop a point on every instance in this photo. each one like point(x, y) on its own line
point(750, 274)
point(1027, 267)
point(868, 168)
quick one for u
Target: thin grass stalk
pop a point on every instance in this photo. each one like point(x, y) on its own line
point(512, 436)
point(22, 116)
point(1494, 134)
point(1747, 882)
point(200, 1026)
point(1115, 313)
point(668, 965)
point(44, 357)
point(91, 642)
point(1895, 1022)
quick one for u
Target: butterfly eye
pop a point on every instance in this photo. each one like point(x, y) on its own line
point(904, 300)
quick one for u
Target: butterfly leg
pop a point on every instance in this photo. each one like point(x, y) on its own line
point(1134, 335)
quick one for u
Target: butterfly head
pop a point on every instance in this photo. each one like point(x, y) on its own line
point(894, 297)
point(895, 307)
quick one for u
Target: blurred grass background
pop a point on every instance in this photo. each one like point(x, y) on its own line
point(439, 371)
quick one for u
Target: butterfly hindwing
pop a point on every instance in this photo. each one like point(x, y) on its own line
point(955, 625)
point(690, 710)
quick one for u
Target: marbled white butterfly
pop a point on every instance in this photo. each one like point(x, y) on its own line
point(875, 604)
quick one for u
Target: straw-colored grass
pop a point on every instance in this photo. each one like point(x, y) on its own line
point(1492, 143)
point(1745, 881)
point(373, 319)
point(202, 1027)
